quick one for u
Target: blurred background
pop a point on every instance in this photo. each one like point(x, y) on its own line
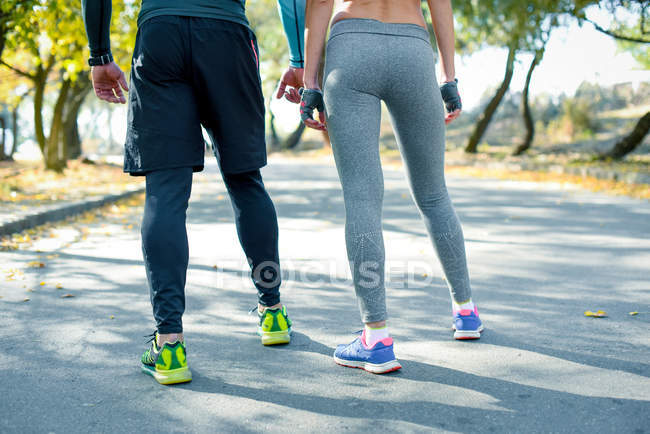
point(546, 82)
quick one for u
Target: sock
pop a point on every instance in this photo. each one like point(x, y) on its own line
point(375, 335)
point(469, 305)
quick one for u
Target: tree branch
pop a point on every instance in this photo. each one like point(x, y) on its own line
point(616, 35)
point(18, 71)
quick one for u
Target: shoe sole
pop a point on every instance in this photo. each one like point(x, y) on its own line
point(373, 368)
point(173, 376)
point(275, 338)
point(467, 334)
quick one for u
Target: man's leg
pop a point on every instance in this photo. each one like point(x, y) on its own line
point(227, 84)
point(165, 248)
point(257, 227)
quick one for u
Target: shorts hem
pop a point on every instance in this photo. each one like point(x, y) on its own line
point(196, 167)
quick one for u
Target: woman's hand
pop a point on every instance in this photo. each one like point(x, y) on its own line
point(312, 99)
point(451, 97)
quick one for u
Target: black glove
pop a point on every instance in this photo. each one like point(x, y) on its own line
point(310, 99)
point(450, 96)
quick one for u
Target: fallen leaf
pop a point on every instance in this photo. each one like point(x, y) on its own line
point(35, 264)
point(59, 286)
point(214, 266)
point(220, 197)
point(597, 314)
point(42, 283)
point(634, 313)
point(25, 299)
point(112, 317)
point(67, 296)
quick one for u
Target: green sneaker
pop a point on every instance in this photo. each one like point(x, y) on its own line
point(168, 365)
point(275, 326)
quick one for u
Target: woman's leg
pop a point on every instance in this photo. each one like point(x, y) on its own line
point(418, 119)
point(354, 118)
point(353, 121)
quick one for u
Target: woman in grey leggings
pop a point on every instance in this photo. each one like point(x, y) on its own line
point(380, 51)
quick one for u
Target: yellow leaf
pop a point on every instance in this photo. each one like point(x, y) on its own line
point(634, 313)
point(35, 264)
point(112, 317)
point(67, 296)
point(42, 283)
point(597, 314)
point(220, 197)
point(59, 286)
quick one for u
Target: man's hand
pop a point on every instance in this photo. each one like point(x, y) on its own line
point(451, 97)
point(108, 82)
point(292, 78)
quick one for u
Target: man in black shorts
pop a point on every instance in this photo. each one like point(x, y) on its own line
point(195, 63)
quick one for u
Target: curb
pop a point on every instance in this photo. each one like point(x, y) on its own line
point(596, 172)
point(61, 212)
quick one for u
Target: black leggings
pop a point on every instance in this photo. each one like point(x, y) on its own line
point(164, 239)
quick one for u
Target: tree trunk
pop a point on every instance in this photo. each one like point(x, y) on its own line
point(3, 156)
point(39, 92)
point(486, 117)
point(273, 139)
point(55, 158)
point(14, 128)
point(629, 143)
point(3, 31)
point(526, 113)
point(72, 140)
point(294, 138)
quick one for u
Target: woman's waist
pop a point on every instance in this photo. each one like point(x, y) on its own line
point(372, 26)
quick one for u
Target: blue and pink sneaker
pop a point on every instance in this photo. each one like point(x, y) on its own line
point(379, 359)
point(467, 324)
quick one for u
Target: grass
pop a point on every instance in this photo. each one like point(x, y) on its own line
point(29, 183)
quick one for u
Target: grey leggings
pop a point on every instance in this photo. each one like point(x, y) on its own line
point(368, 62)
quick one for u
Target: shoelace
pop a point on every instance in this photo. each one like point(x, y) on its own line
point(151, 337)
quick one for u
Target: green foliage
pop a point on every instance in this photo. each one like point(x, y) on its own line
point(274, 51)
point(52, 32)
point(576, 122)
point(45, 47)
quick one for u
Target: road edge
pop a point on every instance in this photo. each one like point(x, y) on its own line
point(62, 212)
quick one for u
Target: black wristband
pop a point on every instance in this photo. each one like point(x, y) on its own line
point(100, 60)
point(311, 99)
point(450, 96)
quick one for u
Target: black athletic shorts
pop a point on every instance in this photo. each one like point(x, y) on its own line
point(187, 72)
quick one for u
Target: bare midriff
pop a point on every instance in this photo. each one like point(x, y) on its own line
point(387, 11)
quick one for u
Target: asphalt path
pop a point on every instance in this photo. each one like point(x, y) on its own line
point(540, 255)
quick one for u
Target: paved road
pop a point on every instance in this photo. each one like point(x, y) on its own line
point(540, 255)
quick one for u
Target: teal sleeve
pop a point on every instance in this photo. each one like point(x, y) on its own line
point(292, 14)
point(97, 19)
